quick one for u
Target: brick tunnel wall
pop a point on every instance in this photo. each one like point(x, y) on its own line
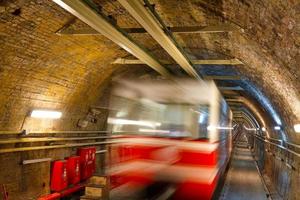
point(41, 70)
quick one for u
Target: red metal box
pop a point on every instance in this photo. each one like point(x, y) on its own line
point(59, 179)
point(87, 161)
point(73, 169)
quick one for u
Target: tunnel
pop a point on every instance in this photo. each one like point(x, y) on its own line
point(98, 99)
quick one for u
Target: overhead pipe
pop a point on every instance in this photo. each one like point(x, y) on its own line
point(154, 28)
point(68, 132)
point(49, 139)
point(40, 160)
point(12, 132)
point(101, 24)
point(33, 161)
point(34, 148)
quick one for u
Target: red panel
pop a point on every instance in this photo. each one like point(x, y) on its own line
point(87, 161)
point(73, 169)
point(52, 196)
point(93, 160)
point(59, 178)
point(194, 190)
point(198, 158)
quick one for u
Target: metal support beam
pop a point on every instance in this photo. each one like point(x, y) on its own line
point(146, 19)
point(238, 88)
point(234, 100)
point(235, 61)
point(223, 77)
point(33, 161)
point(103, 26)
point(66, 30)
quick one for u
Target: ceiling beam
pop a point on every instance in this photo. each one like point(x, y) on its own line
point(68, 30)
point(235, 61)
point(216, 77)
point(234, 100)
point(237, 88)
point(103, 26)
point(146, 19)
point(235, 104)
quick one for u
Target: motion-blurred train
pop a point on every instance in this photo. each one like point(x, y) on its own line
point(171, 140)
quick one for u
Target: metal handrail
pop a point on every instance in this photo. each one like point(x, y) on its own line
point(279, 146)
point(294, 145)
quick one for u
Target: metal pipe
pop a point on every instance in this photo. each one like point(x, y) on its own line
point(26, 162)
point(70, 132)
point(101, 151)
point(162, 35)
point(11, 132)
point(22, 149)
point(49, 139)
point(101, 24)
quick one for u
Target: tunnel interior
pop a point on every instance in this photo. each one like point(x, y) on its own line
point(64, 56)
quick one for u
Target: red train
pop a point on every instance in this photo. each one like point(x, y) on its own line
point(170, 139)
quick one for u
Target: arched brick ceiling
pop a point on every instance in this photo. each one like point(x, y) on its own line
point(42, 69)
point(268, 42)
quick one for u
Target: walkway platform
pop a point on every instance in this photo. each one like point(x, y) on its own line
point(243, 181)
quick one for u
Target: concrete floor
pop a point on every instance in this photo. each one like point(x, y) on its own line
point(243, 181)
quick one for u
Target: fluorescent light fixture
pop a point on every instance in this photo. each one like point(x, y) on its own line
point(277, 128)
point(153, 131)
point(263, 129)
point(133, 122)
point(297, 128)
point(210, 128)
point(46, 114)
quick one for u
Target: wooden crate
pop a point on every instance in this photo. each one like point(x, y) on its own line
point(93, 191)
point(98, 180)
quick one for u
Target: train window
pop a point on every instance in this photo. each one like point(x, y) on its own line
point(144, 117)
point(203, 121)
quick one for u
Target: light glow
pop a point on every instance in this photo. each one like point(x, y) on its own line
point(297, 128)
point(277, 128)
point(210, 128)
point(46, 114)
point(153, 131)
point(263, 129)
point(133, 122)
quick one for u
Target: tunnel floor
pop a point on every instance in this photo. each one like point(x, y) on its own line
point(243, 181)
